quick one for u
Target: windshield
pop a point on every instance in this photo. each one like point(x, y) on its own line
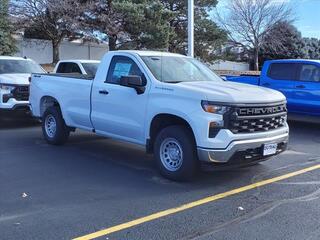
point(90, 68)
point(19, 66)
point(172, 69)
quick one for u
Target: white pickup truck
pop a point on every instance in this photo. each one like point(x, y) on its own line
point(14, 82)
point(172, 105)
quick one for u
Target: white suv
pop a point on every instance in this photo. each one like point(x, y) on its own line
point(14, 82)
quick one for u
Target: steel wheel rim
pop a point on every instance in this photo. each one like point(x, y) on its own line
point(50, 126)
point(171, 154)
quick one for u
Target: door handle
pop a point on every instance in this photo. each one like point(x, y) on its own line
point(301, 86)
point(103, 92)
point(266, 84)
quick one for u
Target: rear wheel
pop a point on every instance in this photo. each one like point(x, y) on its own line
point(175, 153)
point(54, 129)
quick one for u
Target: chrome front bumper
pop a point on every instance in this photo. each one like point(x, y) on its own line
point(248, 149)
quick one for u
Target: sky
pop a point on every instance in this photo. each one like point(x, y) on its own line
point(307, 15)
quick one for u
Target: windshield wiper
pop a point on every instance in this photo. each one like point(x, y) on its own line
point(173, 82)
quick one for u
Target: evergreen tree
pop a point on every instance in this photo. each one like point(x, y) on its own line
point(155, 24)
point(146, 24)
point(208, 36)
point(312, 48)
point(7, 43)
point(135, 24)
point(289, 44)
point(126, 24)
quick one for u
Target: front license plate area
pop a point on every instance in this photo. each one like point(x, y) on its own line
point(270, 149)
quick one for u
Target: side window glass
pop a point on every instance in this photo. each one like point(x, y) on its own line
point(309, 73)
point(61, 68)
point(122, 67)
point(74, 68)
point(282, 71)
point(69, 68)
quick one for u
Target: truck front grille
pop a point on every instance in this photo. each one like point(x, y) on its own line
point(21, 93)
point(250, 119)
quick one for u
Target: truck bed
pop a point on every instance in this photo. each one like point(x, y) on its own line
point(68, 75)
point(249, 79)
point(72, 91)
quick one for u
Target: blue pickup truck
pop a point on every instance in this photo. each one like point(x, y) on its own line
point(298, 80)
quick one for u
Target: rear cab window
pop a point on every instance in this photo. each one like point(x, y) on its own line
point(65, 67)
point(282, 71)
point(91, 68)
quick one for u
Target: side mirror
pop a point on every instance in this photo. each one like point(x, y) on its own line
point(135, 82)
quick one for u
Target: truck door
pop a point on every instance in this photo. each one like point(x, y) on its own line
point(280, 76)
point(306, 94)
point(118, 111)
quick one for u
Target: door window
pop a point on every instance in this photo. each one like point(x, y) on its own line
point(69, 68)
point(309, 73)
point(282, 71)
point(122, 67)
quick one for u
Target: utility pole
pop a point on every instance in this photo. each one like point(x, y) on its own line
point(191, 28)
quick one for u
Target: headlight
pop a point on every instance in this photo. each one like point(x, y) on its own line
point(6, 87)
point(213, 108)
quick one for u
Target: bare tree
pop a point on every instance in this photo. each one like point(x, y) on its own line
point(55, 19)
point(249, 21)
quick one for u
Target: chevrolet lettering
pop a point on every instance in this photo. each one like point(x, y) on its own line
point(262, 110)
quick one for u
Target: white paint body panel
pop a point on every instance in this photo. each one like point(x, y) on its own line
point(72, 94)
point(121, 113)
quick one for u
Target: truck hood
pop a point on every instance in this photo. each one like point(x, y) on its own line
point(16, 79)
point(231, 92)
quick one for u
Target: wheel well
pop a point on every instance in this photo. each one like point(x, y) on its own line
point(46, 102)
point(162, 121)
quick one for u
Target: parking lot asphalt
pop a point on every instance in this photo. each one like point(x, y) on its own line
point(93, 183)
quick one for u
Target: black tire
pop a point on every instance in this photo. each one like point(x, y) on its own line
point(170, 136)
point(62, 132)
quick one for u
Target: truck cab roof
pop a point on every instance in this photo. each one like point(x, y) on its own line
point(13, 58)
point(79, 61)
point(294, 61)
point(148, 53)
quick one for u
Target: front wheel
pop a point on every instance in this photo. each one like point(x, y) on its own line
point(54, 128)
point(175, 153)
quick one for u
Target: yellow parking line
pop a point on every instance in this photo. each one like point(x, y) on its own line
point(190, 205)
